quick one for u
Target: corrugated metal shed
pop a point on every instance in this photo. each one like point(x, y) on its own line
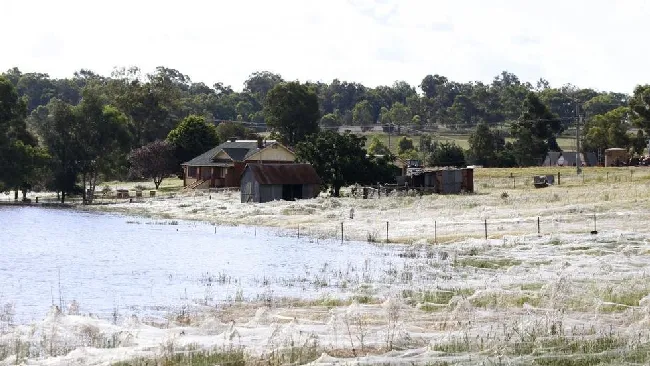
point(443, 180)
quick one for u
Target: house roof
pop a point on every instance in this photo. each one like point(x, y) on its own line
point(284, 173)
point(238, 150)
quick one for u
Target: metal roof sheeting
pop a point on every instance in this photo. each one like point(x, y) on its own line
point(284, 173)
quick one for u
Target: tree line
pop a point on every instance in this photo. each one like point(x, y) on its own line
point(66, 134)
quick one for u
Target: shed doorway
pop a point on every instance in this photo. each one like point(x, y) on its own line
point(291, 192)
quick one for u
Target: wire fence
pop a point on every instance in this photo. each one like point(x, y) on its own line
point(440, 231)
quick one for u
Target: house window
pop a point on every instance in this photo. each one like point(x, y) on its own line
point(222, 172)
point(191, 172)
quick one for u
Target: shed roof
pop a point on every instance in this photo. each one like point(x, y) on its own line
point(284, 173)
point(238, 150)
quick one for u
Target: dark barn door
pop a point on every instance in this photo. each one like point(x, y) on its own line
point(291, 192)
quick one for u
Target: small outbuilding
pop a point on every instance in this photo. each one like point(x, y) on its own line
point(442, 181)
point(616, 156)
point(269, 182)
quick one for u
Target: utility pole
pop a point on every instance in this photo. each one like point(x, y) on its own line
point(578, 122)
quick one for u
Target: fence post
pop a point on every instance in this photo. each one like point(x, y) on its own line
point(485, 229)
point(513, 182)
point(558, 178)
point(341, 232)
point(538, 230)
point(435, 232)
point(386, 231)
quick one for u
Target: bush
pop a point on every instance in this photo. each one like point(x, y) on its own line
point(447, 154)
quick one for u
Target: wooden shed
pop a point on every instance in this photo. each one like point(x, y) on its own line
point(269, 182)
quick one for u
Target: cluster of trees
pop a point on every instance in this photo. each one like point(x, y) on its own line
point(65, 134)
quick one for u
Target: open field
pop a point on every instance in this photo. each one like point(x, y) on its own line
point(567, 143)
point(564, 296)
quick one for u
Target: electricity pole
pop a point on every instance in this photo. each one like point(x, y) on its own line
point(578, 122)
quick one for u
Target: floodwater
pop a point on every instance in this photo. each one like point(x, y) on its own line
point(113, 264)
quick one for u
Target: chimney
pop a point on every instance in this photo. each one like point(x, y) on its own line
point(233, 139)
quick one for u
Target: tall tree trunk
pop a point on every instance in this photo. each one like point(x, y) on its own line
point(63, 196)
point(83, 193)
point(15, 194)
point(92, 184)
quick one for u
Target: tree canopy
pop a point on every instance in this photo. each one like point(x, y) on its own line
point(154, 160)
point(192, 137)
point(340, 160)
point(291, 111)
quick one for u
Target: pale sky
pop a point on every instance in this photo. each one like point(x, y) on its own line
point(601, 44)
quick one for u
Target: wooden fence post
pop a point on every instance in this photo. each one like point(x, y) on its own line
point(386, 231)
point(485, 229)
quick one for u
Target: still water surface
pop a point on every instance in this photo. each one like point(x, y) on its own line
point(144, 266)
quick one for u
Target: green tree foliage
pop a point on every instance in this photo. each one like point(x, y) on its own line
point(608, 130)
point(192, 137)
point(483, 146)
point(229, 129)
point(447, 154)
point(377, 147)
point(400, 115)
point(535, 131)
point(384, 115)
point(640, 105)
point(102, 140)
point(362, 113)
point(155, 160)
point(604, 103)
point(28, 166)
point(260, 83)
point(404, 144)
point(330, 120)
point(291, 110)
point(61, 139)
point(341, 160)
point(464, 110)
point(20, 157)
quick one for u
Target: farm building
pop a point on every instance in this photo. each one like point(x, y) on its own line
point(223, 165)
point(616, 156)
point(568, 158)
point(270, 182)
point(443, 181)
